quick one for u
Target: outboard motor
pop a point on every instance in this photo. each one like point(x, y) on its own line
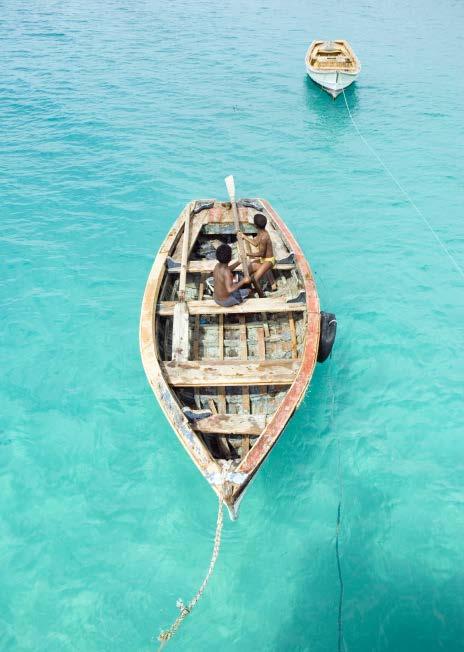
point(327, 335)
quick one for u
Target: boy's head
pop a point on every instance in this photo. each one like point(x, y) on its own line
point(224, 254)
point(260, 221)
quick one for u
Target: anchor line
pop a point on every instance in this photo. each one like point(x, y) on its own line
point(185, 609)
point(340, 579)
point(458, 268)
point(341, 642)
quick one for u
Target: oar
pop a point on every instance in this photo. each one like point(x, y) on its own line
point(230, 185)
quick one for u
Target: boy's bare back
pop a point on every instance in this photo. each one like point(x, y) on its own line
point(223, 279)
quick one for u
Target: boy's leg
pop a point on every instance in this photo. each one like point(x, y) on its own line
point(262, 269)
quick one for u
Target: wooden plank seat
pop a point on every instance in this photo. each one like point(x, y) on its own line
point(334, 63)
point(207, 267)
point(232, 424)
point(230, 373)
point(210, 307)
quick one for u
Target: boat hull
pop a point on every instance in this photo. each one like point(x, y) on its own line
point(227, 478)
point(334, 82)
point(332, 73)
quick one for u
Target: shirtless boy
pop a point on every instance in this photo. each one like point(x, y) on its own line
point(262, 241)
point(226, 292)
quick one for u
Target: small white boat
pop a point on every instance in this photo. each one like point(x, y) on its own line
point(332, 64)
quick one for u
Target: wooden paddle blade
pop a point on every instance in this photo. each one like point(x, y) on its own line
point(230, 185)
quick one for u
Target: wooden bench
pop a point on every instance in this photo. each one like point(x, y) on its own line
point(232, 424)
point(207, 267)
point(230, 373)
point(249, 306)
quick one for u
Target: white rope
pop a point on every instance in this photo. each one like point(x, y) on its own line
point(167, 634)
point(405, 193)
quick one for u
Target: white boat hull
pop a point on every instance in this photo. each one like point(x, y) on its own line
point(334, 82)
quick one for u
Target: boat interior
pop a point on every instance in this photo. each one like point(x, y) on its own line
point(228, 368)
point(332, 55)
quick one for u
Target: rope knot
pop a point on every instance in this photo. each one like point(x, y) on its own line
point(184, 610)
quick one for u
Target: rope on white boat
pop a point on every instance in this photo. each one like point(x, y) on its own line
point(405, 193)
point(185, 610)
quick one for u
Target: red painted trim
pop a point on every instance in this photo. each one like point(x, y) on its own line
point(266, 441)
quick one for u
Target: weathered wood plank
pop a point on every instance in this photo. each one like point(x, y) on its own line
point(215, 217)
point(180, 332)
point(236, 373)
point(196, 336)
point(195, 227)
point(232, 424)
point(221, 393)
point(184, 259)
point(228, 228)
point(221, 338)
point(291, 322)
point(207, 266)
point(261, 343)
point(180, 324)
point(196, 326)
point(210, 307)
point(222, 441)
point(245, 390)
point(261, 353)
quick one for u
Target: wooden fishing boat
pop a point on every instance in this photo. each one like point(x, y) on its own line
point(228, 379)
point(333, 65)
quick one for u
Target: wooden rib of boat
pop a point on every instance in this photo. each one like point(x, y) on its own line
point(332, 64)
point(227, 379)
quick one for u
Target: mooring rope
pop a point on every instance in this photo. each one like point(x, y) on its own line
point(341, 642)
point(404, 192)
point(340, 579)
point(185, 610)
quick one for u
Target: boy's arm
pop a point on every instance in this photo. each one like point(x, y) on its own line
point(231, 286)
point(256, 242)
point(253, 241)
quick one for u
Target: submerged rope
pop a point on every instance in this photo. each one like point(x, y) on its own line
point(405, 193)
point(185, 610)
point(341, 642)
point(340, 579)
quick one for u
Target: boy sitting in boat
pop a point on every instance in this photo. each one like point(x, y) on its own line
point(226, 292)
point(262, 242)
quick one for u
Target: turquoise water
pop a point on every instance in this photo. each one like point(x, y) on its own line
point(113, 116)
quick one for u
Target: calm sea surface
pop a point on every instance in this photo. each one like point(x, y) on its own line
point(114, 115)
